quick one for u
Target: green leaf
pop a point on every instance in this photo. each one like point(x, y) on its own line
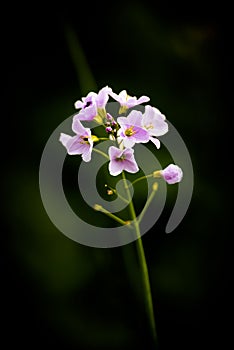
point(84, 74)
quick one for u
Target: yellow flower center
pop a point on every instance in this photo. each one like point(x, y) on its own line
point(85, 139)
point(149, 126)
point(120, 159)
point(130, 131)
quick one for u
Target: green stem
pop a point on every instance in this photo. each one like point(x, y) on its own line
point(147, 204)
point(143, 264)
point(119, 195)
point(98, 207)
point(100, 152)
point(147, 289)
point(106, 156)
point(142, 178)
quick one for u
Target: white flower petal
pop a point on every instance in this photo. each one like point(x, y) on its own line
point(155, 141)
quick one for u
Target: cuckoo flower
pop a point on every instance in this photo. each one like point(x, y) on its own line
point(81, 143)
point(122, 160)
point(88, 107)
point(91, 104)
point(127, 101)
point(154, 122)
point(131, 130)
point(171, 174)
point(103, 96)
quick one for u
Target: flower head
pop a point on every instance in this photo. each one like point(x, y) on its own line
point(131, 130)
point(81, 143)
point(154, 122)
point(122, 160)
point(88, 107)
point(172, 174)
point(90, 104)
point(127, 101)
point(103, 96)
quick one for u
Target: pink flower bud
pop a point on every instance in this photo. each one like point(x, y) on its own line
point(172, 174)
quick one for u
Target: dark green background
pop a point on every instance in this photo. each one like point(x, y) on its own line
point(59, 293)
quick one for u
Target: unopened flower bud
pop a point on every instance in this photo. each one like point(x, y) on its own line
point(109, 117)
point(97, 207)
point(172, 174)
point(108, 129)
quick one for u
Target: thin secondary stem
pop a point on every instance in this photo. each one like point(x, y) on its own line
point(122, 198)
point(142, 178)
point(100, 152)
point(98, 207)
point(119, 195)
point(143, 264)
point(147, 204)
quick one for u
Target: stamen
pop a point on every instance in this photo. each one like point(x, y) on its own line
point(150, 126)
point(84, 139)
point(109, 129)
point(120, 159)
point(130, 131)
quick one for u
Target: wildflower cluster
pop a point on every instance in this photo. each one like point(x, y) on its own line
point(124, 131)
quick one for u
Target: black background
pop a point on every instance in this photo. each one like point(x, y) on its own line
point(178, 56)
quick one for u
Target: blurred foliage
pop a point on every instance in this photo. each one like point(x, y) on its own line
point(57, 292)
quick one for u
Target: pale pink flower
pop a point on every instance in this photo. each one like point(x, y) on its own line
point(122, 160)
